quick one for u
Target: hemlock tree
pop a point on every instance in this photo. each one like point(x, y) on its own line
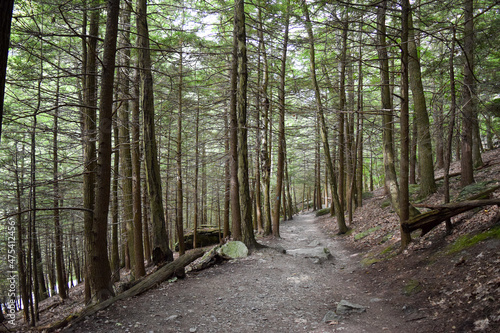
point(247, 233)
point(424, 144)
point(161, 250)
point(6, 8)
point(97, 242)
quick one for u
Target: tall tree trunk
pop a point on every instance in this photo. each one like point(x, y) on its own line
point(281, 130)
point(339, 212)
point(233, 140)
point(391, 183)
point(405, 124)
point(227, 180)
point(57, 220)
point(134, 226)
point(97, 242)
point(341, 117)
point(468, 108)
point(265, 149)
point(258, 104)
point(449, 141)
point(89, 134)
point(360, 117)
point(115, 251)
point(161, 250)
point(20, 235)
point(413, 153)
point(424, 144)
point(196, 172)
point(135, 155)
point(247, 233)
point(179, 220)
point(6, 9)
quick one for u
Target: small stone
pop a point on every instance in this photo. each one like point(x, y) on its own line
point(192, 329)
point(331, 316)
point(345, 307)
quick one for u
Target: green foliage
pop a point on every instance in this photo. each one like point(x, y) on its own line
point(412, 287)
point(467, 241)
point(474, 189)
point(365, 233)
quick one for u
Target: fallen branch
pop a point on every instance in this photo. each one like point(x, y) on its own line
point(145, 284)
point(429, 220)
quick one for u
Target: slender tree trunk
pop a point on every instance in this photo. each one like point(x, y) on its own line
point(413, 153)
point(426, 167)
point(449, 141)
point(281, 130)
point(90, 135)
point(265, 149)
point(247, 233)
point(468, 108)
point(6, 9)
point(196, 172)
point(387, 119)
point(233, 140)
point(360, 117)
point(179, 220)
point(161, 250)
point(227, 180)
point(134, 225)
point(20, 235)
point(115, 255)
point(341, 117)
point(339, 212)
point(59, 259)
point(405, 125)
point(257, 187)
point(99, 268)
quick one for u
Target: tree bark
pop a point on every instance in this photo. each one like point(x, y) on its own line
point(424, 144)
point(281, 131)
point(468, 107)
point(265, 149)
point(391, 183)
point(247, 233)
point(59, 259)
point(160, 248)
point(405, 125)
point(233, 140)
point(6, 9)
point(89, 134)
point(99, 268)
point(179, 219)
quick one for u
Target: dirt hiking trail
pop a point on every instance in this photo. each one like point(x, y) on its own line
point(268, 291)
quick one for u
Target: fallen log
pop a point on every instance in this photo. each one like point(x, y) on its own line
point(429, 220)
point(145, 284)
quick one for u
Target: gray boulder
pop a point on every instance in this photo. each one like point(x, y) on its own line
point(344, 308)
point(233, 250)
point(318, 254)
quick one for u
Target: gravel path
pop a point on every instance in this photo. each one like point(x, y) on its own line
point(266, 292)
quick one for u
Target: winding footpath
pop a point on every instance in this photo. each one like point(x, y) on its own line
point(267, 292)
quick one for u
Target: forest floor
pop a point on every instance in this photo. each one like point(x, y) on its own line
point(440, 283)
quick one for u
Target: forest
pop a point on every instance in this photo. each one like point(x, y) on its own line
point(128, 125)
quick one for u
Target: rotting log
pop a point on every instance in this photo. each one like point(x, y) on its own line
point(145, 284)
point(429, 220)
